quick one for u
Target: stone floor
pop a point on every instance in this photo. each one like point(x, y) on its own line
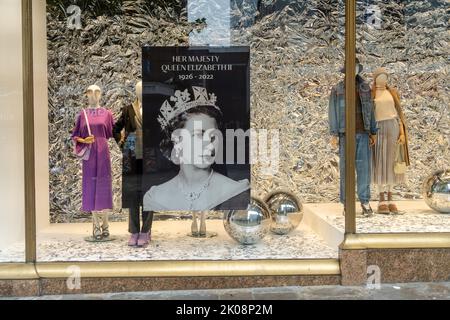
point(409, 291)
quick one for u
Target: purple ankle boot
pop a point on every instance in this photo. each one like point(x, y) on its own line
point(144, 239)
point(133, 241)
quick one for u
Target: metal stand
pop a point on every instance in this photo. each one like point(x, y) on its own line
point(207, 235)
point(92, 239)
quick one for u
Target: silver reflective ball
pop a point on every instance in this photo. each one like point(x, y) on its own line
point(248, 226)
point(436, 191)
point(286, 211)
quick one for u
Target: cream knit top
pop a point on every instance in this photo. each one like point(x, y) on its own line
point(384, 105)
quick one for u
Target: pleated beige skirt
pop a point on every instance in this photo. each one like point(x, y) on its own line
point(384, 152)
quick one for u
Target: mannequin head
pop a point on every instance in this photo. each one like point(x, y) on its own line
point(381, 80)
point(94, 94)
point(139, 91)
point(380, 77)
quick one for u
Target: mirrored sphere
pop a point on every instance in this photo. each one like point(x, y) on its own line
point(248, 226)
point(436, 191)
point(286, 211)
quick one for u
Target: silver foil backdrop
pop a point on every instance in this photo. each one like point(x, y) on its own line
point(297, 50)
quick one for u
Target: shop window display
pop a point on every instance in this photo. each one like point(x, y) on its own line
point(403, 44)
point(400, 50)
point(105, 48)
point(110, 210)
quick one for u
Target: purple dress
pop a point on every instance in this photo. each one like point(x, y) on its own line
point(97, 182)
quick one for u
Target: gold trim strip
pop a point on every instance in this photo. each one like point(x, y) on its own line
point(18, 271)
point(350, 123)
point(28, 131)
point(190, 268)
point(396, 241)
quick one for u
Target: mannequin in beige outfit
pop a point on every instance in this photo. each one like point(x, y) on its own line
point(392, 132)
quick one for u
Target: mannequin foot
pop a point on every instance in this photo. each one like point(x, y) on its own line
point(105, 224)
point(366, 210)
point(97, 233)
point(105, 232)
point(132, 242)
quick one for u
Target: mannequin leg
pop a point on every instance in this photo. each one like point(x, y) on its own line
point(194, 226)
point(105, 224)
point(96, 230)
point(363, 173)
point(383, 207)
point(147, 221)
point(203, 223)
point(133, 220)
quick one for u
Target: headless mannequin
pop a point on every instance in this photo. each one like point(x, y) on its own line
point(365, 136)
point(99, 218)
point(385, 109)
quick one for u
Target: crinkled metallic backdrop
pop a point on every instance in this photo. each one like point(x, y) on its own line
point(297, 49)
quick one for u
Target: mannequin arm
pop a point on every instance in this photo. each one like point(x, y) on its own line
point(118, 127)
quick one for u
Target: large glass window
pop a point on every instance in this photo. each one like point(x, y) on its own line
point(126, 90)
point(95, 62)
point(403, 46)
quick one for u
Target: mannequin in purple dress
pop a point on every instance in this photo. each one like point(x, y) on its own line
point(97, 180)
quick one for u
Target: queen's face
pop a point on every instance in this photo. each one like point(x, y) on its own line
point(196, 144)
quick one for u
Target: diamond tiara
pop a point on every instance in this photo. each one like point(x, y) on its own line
point(183, 103)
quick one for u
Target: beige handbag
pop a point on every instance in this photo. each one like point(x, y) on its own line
point(400, 163)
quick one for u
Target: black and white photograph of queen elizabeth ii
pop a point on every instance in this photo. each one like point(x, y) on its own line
point(196, 128)
point(192, 127)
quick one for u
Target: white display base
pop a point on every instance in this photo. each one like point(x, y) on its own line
point(326, 219)
point(317, 237)
point(65, 242)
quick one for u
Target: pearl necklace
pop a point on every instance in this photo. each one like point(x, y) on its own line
point(192, 196)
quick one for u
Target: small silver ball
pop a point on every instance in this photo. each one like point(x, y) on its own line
point(436, 191)
point(286, 211)
point(248, 226)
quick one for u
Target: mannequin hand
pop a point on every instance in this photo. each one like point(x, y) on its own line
point(372, 140)
point(88, 140)
point(334, 141)
point(401, 139)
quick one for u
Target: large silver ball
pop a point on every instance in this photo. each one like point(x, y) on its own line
point(286, 211)
point(436, 191)
point(248, 226)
